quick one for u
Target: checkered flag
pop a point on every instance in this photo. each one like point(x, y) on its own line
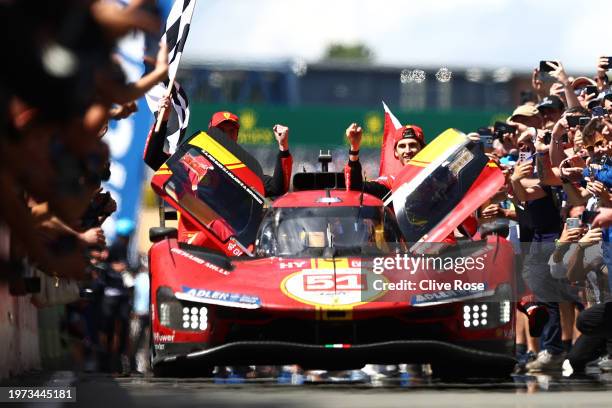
point(175, 37)
point(177, 124)
point(176, 31)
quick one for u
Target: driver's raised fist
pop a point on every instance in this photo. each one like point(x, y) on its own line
point(353, 135)
point(281, 133)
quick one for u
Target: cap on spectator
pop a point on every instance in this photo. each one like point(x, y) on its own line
point(409, 132)
point(527, 110)
point(223, 116)
point(551, 102)
point(581, 82)
point(124, 227)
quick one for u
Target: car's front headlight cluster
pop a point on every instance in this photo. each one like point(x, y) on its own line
point(476, 315)
point(486, 315)
point(181, 314)
point(489, 312)
point(195, 318)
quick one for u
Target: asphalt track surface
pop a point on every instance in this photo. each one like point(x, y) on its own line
point(98, 390)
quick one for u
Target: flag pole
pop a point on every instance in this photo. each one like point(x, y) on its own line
point(162, 111)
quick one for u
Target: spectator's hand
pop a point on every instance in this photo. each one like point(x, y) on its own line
point(492, 211)
point(281, 133)
point(568, 171)
point(602, 67)
point(93, 236)
point(592, 237)
point(557, 89)
point(509, 139)
point(123, 111)
point(536, 83)
point(117, 21)
point(164, 104)
point(558, 72)
point(579, 143)
point(604, 218)
point(473, 136)
point(522, 170)
point(560, 128)
point(596, 188)
point(584, 98)
point(539, 144)
point(493, 158)
point(570, 234)
point(353, 135)
point(521, 128)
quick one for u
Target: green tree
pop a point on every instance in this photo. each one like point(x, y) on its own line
point(352, 52)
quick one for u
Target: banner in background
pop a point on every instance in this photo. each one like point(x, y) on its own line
point(323, 127)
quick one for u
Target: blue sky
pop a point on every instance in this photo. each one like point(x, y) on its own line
point(410, 33)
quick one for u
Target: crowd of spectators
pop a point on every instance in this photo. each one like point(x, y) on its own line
point(555, 153)
point(60, 85)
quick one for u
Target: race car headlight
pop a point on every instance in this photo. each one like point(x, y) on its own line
point(195, 318)
point(180, 314)
point(488, 312)
point(504, 311)
point(476, 315)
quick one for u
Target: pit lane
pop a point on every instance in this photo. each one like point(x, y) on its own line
point(98, 390)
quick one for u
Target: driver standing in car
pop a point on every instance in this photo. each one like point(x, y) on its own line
point(277, 184)
point(274, 186)
point(407, 142)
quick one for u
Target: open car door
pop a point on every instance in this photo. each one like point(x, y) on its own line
point(218, 187)
point(441, 186)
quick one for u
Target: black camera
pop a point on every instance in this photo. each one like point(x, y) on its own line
point(500, 128)
point(544, 67)
point(574, 121)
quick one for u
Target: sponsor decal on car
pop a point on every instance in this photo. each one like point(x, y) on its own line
point(324, 286)
point(219, 298)
point(445, 296)
point(163, 338)
point(187, 255)
point(200, 261)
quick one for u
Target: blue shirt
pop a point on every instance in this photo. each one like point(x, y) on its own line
point(141, 294)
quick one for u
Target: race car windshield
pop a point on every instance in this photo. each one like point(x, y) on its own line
point(223, 205)
point(300, 231)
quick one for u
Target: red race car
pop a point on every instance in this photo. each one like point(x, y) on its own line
point(328, 278)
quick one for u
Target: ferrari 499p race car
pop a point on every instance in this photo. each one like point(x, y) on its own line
point(328, 278)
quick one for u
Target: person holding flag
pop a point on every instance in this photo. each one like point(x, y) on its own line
point(165, 135)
